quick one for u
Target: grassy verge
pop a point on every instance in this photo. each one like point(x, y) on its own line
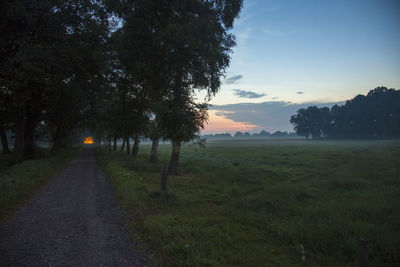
point(5, 160)
point(266, 203)
point(20, 181)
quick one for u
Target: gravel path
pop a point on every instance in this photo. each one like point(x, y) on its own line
point(73, 221)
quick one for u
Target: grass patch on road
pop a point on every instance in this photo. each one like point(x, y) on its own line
point(20, 181)
point(265, 203)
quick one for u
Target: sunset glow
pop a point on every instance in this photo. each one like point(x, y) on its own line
point(88, 140)
point(219, 124)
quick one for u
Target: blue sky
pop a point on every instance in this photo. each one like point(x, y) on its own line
point(309, 51)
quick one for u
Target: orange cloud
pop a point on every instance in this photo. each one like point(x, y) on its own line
point(220, 124)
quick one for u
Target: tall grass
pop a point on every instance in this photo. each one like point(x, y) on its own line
point(266, 203)
point(20, 181)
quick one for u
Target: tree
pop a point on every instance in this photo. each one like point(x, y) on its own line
point(376, 115)
point(263, 133)
point(181, 122)
point(312, 121)
point(4, 142)
point(48, 48)
point(155, 134)
point(5, 121)
point(187, 45)
point(238, 135)
point(279, 134)
point(28, 34)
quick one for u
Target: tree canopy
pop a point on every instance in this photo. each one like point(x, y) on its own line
point(374, 116)
point(110, 67)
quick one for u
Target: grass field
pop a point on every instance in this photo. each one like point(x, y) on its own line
point(20, 181)
point(4, 161)
point(265, 203)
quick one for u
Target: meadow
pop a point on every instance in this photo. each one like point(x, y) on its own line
point(265, 203)
point(19, 182)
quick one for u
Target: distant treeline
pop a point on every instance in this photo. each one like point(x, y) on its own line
point(262, 134)
point(374, 116)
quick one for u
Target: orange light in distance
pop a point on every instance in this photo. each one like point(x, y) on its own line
point(88, 140)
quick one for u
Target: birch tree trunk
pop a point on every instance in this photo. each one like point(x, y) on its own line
point(4, 142)
point(135, 149)
point(18, 153)
point(154, 150)
point(123, 145)
point(174, 162)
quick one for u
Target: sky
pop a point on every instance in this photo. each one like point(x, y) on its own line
point(292, 54)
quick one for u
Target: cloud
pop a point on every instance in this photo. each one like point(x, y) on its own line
point(218, 123)
point(274, 32)
point(233, 79)
point(247, 94)
point(271, 115)
point(299, 93)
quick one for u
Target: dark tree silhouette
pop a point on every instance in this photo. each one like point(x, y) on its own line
point(312, 121)
point(107, 66)
point(49, 51)
point(238, 135)
point(173, 47)
point(374, 116)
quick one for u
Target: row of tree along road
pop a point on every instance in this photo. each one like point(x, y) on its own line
point(118, 69)
point(374, 116)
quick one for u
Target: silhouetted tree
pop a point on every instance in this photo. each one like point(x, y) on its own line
point(376, 115)
point(48, 49)
point(312, 121)
point(264, 133)
point(155, 134)
point(181, 122)
point(238, 135)
point(174, 47)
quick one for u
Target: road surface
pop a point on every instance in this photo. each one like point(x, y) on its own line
point(73, 221)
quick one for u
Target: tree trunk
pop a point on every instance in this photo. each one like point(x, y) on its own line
point(18, 153)
point(4, 142)
point(109, 143)
point(154, 150)
point(174, 162)
point(135, 148)
point(123, 145)
point(49, 140)
point(29, 131)
point(60, 140)
point(128, 147)
point(33, 113)
point(115, 143)
point(163, 180)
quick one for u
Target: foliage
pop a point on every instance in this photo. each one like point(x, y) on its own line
point(51, 60)
point(312, 121)
point(172, 48)
point(109, 66)
point(374, 116)
point(181, 121)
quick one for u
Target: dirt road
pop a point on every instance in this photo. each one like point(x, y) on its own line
point(73, 221)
